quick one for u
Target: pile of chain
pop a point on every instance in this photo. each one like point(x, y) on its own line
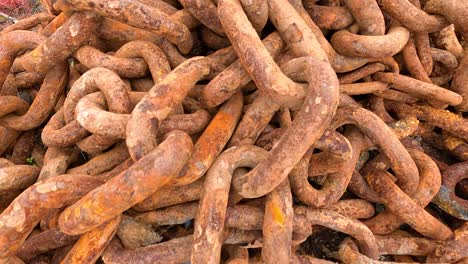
point(227, 131)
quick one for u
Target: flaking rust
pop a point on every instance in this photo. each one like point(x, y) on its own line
point(235, 131)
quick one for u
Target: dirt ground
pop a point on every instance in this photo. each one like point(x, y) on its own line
point(17, 9)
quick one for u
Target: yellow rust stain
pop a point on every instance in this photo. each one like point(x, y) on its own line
point(36, 53)
point(277, 214)
point(452, 142)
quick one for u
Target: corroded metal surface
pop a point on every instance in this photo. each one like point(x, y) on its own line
point(235, 131)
